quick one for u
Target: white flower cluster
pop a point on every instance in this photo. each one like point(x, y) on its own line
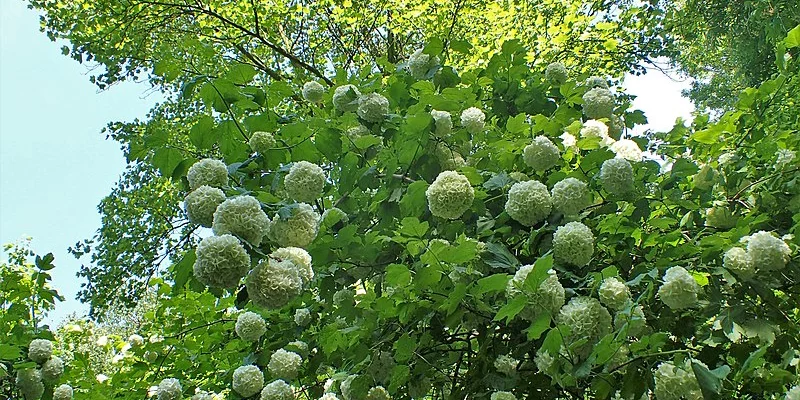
point(616, 176)
point(506, 364)
point(793, 393)
point(635, 319)
point(247, 380)
point(549, 297)
point(304, 182)
point(241, 216)
point(419, 64)
point(329, 396)
point(627, 149)
point(449, 159)
point(676, 382)
point(373, 107)
point(556, 73)
point(170, 389)
point(277, 390)
point(544, 362)
point(614, 294)
point(260, 142)
point(302, 316)
point(40, 350)
point(250, 326)
point(568, 140)
point(450, 195)
point(720, 217)
point(739, 262)
point(52, 369)
point(570, 196)
point(767, 252)
point(473, 119)
point(62, 392)
point(573, 244)
point(596, 82)
point(135, 340)
point(502, 396)
point(29, 383)
point(378, 393)
point(202, 396)
point(528, 202)
point(299, 257)
point(679, 289)
point(272, 284)
point(785, 158)
point(201, 203)
point(295, 226)
point(207, 172)
point(221, 261)
point(345, 98)
point(596, 129)
point(313, 91)
point(443, 122)
point(598, 103)
point(587, 319)
point(284, 364)
point(541, 154)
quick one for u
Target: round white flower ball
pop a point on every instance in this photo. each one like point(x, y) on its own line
point(52, 369)
point(62, 392)
point(373, 107)
point(304, 182)
point(241, 216)
point(627, 149)
point(345, 98)
point(201, 204)
point(503, 396)
point(596, 129)
point(738, 261)
point(676, 383)
point(313, 91)
point(588, 319)
point(793, 393)
point(541, 154)
point(556, 74)
point(573, 244)
point(720, 217)
point(598, 103)
point(616, 176)
point(170, 389)
point(329, 396)
point(570, 196)
point(544, 362)
point(614, 294)
point(284, 364)
point(247, 380)
point(135, 340)
point(277, 390)
point(506, 364)
point(221, 261)
point(207, 172)
point(357, 132)
point(250, 326)
point(260, 142)
point(450, 195)
point(549, 297)
point(302, 316)
point(473, 120)
point(378, 393)
point(679, 289)
point(294, 226)
point(568, 140)
point(202, 396)
point(528, 202)
point(29, 382)
point(40, 350)
point(596, 82)
point(299, 257)
point(443, 122)
point(635, 319)
point(272, 284)
point(419, 64)
point(449, 159)
point(767, 252)
point(615, 126)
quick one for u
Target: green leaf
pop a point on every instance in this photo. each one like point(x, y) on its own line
point(434, 47)
point(498, 256)
point(461, 46)
point(793, 38)
point(414, 202)
point(9, 352)
point(167, 159)
point(329, 143)
point(512, 308)
point(517, 124)
point(538, 326)
point(202, 133)
point(539, 273)
point(397, 275)
point(404, 347)
point(400, 375)
point(241, 74)
point(412, 227)
point(493, 283)
point(710, 383)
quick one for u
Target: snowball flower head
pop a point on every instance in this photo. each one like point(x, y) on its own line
point(598, 103)
point(541, 154)
point(302, 316)
point(473, 119)
point(768, 252)
point(449, 159)
point(549, 297)
point(556, 73)
point(207, 172)
point(52, 369)
point(295, 225)
point(284, 364)
point(373, 107)
point(528, 202)
point(299, 257)
point(676, 383)
point(635, 319)
point(247, 380)
point(419, 64)
point(627, 149)
point(793, 393)
point(277, 390)
point(443, 122)
point(587, 318)
point(679, 289)
point(378, 393)
point(272, 284)
point(250, 326)
point(614, 294)
point(221, 261)
point(329, 396)
point(29, 382)
point(135, 340)
point(570, 196)
point(313, 91)
point(720, 217)
point(596, 129)
point(62, 392)
point(357, 132)
point(503, 396)
point(506, 364)
point(616, 176)
point(241, 216)
point(544, 361)
point(596, 82)
point(450, 195)
point(170, 389)
point(304, 182)
point(345, 98)
point(201, 204)
point(568, 140)
point(261, 142)
point(40, 350)
point(573, 244)
point(739, 262)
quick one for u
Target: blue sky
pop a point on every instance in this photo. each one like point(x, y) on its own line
point(55, 166)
